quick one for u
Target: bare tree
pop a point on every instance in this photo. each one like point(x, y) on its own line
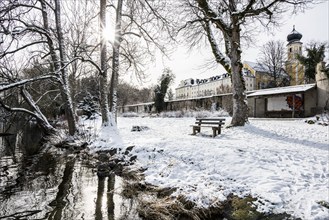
point(129, 94)
point(26, 30)
point(223, 23)
point(64, 82)
point(272, 57)
point(81, 20)
point(103, 67)
point(39, 30)
point(115, 60)
point(140, 28)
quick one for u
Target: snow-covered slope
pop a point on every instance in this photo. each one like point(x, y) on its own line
point(282, 162)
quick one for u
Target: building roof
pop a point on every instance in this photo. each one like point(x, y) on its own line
point(282, 90)
point(257, 66)
point(263, 68)
point(294, 36)
point(138, 104)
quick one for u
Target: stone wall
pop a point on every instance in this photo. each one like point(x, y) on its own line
point(322, 84)
point(204, 103)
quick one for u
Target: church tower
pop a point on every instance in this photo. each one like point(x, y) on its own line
point(293, 67)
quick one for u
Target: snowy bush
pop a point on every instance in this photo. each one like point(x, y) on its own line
point(220, 113)
point(194, 114)
point(322, 119)
point(89, 106)
point(129, 114)
point(199, 113)
point(205, 114)
point(172, 114)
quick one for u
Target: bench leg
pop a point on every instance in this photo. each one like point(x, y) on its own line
point(214, 132)
point(196, 129)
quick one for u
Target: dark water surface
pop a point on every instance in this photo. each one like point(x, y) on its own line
point(57, 185)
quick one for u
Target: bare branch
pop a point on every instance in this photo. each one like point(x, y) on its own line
point(21, 48)
point(24, 81)
point(220, 57)
point(23, 110)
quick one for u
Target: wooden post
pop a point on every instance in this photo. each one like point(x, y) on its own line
point(293, 106)
point(255, 100)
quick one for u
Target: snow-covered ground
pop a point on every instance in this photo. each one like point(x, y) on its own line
point(284, 163)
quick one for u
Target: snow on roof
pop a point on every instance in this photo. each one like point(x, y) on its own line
point(138, 104)
point(258, 67)
point(262, 68)
point(282, 90)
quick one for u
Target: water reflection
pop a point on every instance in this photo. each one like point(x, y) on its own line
point(58, 186)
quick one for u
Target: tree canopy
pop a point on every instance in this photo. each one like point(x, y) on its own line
point(160, 91)
point(315, 53)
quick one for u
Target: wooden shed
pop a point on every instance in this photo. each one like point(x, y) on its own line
point(288, 102)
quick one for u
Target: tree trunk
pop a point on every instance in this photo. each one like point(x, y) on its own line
point(240, 107)
point(58, 64)
point(115, 62)
point(103, 81)
point(65, 90)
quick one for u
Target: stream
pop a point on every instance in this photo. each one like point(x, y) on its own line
point(57, 185)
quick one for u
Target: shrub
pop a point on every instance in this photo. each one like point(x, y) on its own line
point(129, 114)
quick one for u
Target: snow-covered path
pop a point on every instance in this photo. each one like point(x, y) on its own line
point(283, 162)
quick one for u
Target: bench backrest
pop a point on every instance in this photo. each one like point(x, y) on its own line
point(210, 121)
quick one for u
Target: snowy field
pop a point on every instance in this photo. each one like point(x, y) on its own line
point(284, 163)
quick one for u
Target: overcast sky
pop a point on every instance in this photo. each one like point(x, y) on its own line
point(312, 24)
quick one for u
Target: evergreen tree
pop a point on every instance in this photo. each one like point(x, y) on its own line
point(160, 90)
point(315, 54)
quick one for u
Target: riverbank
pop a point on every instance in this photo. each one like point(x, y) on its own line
point(265, 170)
point(283, 164)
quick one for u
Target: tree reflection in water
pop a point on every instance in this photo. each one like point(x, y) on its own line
point(57, 186)
point(41, 185)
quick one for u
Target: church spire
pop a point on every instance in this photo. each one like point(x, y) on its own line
point(294, 36)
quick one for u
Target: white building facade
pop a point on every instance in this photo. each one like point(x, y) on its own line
point(220, 84)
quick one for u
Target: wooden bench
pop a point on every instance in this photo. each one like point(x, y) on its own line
point(214, 123)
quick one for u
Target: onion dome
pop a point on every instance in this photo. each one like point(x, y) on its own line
point(294, 36)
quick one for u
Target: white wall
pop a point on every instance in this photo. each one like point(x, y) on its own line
point(277, 104)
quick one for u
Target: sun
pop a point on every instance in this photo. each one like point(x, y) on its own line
point(109, 33)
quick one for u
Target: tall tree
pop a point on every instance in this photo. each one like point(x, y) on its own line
point(115, 60)
point(272, 56)
point(129, 94)
point(315, 54)
point(65, 90)
point(139, 29)
point(106, 120)
point(161, 89)
point(80, 40)
point(223, 21)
